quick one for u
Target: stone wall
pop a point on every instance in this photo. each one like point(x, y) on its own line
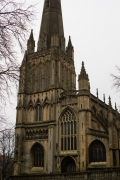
point(89, 175)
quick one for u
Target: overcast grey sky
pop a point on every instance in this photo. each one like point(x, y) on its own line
point(94, 27)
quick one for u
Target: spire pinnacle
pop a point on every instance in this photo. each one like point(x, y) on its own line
point(31, 43)
point(110, 104)
point(83, 74)
point(69, 42)
point(31, 35)
point(115, 106)
point(70, 49)
point(97, 92)
point(104, 98)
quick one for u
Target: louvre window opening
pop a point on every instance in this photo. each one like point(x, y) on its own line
point(68, 131)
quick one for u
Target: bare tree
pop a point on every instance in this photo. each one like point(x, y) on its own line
point(6, 153)
point(116, 79)
point(15, 18)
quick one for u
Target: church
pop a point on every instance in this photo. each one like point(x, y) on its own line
point(61, 129)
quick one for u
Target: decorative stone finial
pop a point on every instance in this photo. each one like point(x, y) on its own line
point(97, 92)
point(116, 107)
point(104, 98)
point(110, 102)
point(83, 74)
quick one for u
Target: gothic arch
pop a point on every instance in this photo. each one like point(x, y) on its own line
point(97, 152)
point(68, 165)
point(38, 102)
point(46, 101)
point(30, 107)
point(69, 109)
point(37, 155)
point(30, 103)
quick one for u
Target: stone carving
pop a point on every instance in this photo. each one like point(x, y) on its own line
point(36, 134)
point(98, 133)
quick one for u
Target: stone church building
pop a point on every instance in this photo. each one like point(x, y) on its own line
point(60, 129)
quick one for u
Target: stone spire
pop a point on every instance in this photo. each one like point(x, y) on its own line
point(83, 80)
point(69, 43)
point(70, 49)
point(83, 74)
point(31, 43)
point(52, 24)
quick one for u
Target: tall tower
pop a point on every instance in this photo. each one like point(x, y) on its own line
point(58, 128)
point(44, 75)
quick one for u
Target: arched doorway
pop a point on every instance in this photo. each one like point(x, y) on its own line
point(68, 165)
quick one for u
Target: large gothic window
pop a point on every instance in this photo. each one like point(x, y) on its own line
point(68, 131)
point(37, 154)
point(38, 113)
point(97, 152)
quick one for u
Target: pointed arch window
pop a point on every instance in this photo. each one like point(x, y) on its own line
point(37, 154)
point(97, 152)
point(38, 115)
point(68, 131)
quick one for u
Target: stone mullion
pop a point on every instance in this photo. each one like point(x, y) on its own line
point(38, 112)
point(66, 135)
point(63, 136)
point(70, 135)
point(73, 131)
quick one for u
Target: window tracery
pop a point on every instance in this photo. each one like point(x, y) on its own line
point(68, 131)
